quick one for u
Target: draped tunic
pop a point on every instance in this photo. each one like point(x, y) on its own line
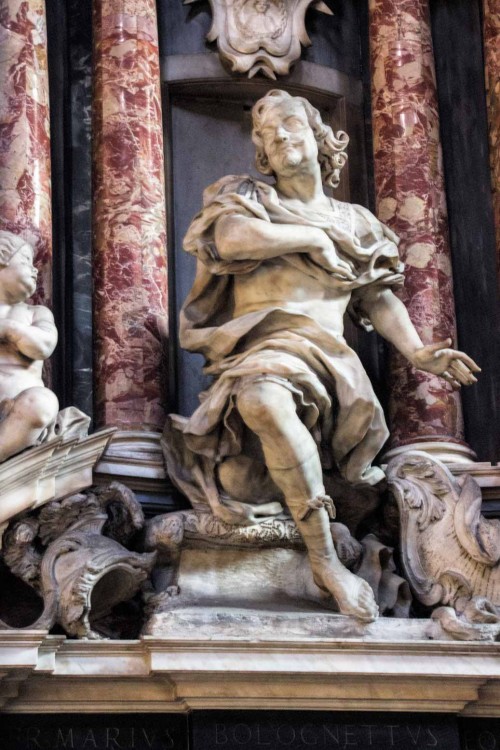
point(278, 343)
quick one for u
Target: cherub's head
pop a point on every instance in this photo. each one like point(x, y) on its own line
point(279, 106)
point(17, 272)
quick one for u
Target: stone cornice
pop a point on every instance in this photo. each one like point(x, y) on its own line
point(44, 674)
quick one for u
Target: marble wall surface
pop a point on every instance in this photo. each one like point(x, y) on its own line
point(129, 265)
point(459, 64)
point(411, 199)
point(26, 202)
point(80, 97)
point(25, 184)
point(491, 36)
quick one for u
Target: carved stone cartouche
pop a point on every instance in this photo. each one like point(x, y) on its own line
point(260, 35)
point(73, 553)
point(450, 552)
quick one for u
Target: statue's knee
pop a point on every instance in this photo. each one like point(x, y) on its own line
point(38, 406)
point(262, 404)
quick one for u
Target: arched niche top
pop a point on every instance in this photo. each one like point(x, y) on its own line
point(204, 74)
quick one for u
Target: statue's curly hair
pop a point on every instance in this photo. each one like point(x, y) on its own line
point(331, 147)
point(10, 243)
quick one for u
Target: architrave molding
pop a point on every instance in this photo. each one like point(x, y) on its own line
point(50, 674)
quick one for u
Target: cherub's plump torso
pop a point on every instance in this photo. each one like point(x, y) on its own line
point(17, 372)
point(27, 337)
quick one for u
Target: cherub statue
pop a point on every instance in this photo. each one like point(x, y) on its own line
point(27, 337)
point(278, 267)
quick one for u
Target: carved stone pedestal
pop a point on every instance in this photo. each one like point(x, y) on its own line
point(248, 580)
point(239, 578)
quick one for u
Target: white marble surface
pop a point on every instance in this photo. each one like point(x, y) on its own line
point(51, 470)
point(278, 267)
point(28, 336)
point(49, 674)
point(450, 552)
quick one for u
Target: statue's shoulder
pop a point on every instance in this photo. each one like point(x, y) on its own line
point(367, 222)
point(243, 185)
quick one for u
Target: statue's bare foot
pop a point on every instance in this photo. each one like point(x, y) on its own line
point(353, 595)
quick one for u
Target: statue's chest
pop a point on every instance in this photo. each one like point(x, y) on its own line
point(329, 213)
point(343, 216)
point(20, 312)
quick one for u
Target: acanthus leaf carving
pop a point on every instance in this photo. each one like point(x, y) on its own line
point(477, 619)
point(72, 552)
point(449, 551)
point(478, 535)
point(455, 587)
point(425, 492)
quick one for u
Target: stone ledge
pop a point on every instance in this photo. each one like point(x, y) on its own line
point(487, 476)
point(135, 458)
point(47, 674)
point(49, 471)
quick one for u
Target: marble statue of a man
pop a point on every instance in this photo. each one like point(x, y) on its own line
point(278, 267)
point(27, 337)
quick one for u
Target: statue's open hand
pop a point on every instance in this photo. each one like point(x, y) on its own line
point(454, 366)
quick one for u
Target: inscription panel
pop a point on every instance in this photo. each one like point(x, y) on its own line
point(249, 730)
point(480, 734)
point(94, 732)
point(234, 730)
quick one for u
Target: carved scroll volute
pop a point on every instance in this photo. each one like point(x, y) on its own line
point(72, 553)
point(260, 35)
point(449, 551)
point(479, 536)
point(421, 487)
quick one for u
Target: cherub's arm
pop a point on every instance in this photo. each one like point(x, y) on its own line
point(390, 318)
point(36, 340)
point(246, 238)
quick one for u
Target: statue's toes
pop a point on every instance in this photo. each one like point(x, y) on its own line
point(367, 604)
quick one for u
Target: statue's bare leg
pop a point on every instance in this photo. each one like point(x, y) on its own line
point(292, 459)
point(30, 413)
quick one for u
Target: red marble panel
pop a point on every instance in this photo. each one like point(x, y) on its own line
point(25, 189)
point(411, 200)
point(491, 37)
point(129, 266)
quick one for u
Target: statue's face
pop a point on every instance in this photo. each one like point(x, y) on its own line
point(18, 279)
point(288, 138)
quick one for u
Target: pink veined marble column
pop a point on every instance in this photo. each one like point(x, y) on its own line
point(129, 265)
point(411, 199)
point(492, 73)
point(25, 189)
